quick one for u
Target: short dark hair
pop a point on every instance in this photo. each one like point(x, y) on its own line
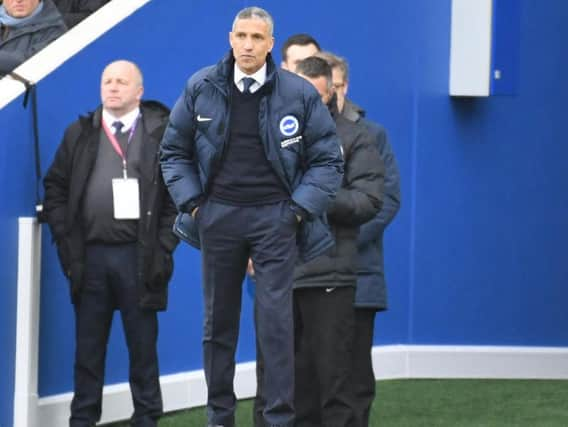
point(302, 39)
point(314, 67)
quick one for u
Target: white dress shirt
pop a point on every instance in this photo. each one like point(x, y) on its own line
point(259, 78)
point(127, 120)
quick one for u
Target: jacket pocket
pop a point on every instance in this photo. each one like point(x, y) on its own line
point(288, 217)
point(315, 239)
point(161, 270)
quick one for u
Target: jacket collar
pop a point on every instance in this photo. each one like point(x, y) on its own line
point(352, 111)
point(150, 122)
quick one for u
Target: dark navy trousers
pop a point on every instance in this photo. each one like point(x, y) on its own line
point(229, 236)
point(110, 283)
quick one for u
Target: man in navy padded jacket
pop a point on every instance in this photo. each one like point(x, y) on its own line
point(251, 157)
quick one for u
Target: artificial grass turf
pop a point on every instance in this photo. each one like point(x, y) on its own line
point(487, 403)
point(441, 403)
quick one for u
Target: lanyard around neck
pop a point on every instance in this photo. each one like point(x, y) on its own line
point(114, 142)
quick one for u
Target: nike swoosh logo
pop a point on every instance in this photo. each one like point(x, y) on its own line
point(328, 290)
point(203, 119)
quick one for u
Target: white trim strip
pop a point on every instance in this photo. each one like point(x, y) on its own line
point(80, 36)
point(487, 362)
point(27, 323)
point(188, 390)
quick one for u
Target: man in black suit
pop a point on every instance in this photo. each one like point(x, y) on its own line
point(111, 218)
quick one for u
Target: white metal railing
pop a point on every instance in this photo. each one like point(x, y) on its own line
point(27, 323)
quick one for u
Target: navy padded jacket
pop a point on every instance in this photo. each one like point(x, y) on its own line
point(296, 129)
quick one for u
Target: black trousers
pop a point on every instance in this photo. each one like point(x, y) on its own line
point(363, 377)
point(110, 283)
point(324, 322)
point(229, 236)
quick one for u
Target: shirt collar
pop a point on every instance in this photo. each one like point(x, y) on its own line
point(127, 120)
point(259, 78)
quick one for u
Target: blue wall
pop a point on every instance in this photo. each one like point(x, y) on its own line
point(491, 208)
point(474, 256)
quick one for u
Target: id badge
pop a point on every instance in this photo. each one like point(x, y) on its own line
point(126, 198)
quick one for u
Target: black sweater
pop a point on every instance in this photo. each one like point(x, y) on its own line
point(245, 177)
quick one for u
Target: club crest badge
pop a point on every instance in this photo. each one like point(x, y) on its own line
point(289, 126)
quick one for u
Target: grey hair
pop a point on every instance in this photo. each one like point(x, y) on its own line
point(336, 61)
point(258, 13)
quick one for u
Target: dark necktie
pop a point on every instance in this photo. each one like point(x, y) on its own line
point(118, 125)
point(247, 83)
